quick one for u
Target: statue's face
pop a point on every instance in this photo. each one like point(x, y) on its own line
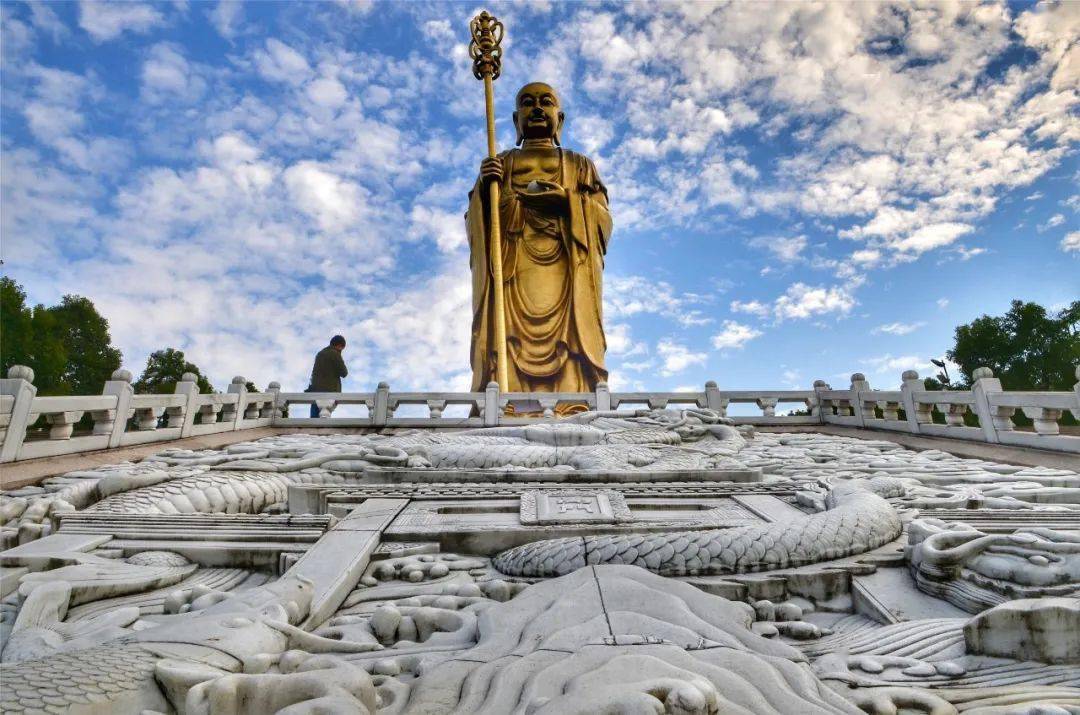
point(537, 115)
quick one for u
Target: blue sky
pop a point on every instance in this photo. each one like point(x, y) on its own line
point(799, 191)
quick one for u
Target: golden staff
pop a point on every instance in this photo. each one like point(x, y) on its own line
point(486, 53)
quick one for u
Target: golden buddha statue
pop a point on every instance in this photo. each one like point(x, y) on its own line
point(555, 228)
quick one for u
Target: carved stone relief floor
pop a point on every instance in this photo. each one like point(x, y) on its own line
point(658, 561)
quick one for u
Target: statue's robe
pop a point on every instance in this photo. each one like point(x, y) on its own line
point(552, 272)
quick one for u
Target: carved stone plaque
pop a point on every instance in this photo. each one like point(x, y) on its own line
point(577, 506)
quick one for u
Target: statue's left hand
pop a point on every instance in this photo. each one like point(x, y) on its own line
point(551, 197)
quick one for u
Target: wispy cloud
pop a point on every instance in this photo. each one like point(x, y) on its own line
point(898, 328)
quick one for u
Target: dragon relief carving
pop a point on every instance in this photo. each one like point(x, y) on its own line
point(562, 625)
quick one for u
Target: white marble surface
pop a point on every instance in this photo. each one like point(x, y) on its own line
point(852, 581)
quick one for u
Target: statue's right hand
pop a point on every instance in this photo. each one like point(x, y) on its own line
point(491, 169)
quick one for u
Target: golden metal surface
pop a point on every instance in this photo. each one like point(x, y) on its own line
point(537, 245)
point(485, 50)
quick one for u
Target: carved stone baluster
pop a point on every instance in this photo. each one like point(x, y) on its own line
point(548, 405)
point(924, 412)
point(954, 413)
point(890, 409)
point(1002, 417)
point(326, 407)
point(1045, 419)
point(175, 416)
point(869, 408)
point(146, 418)
point(61, 424)
point(768, 405)
point(208, 413)
point(104, 420)
point(657, 403)
point(436, 408)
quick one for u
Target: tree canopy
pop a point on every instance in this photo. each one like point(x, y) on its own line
point(164, 368)
point(67, 345)
point(1028, 348)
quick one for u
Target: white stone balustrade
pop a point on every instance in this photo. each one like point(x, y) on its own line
point(121, 418)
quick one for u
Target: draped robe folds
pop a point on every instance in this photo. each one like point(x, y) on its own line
point(552, 276)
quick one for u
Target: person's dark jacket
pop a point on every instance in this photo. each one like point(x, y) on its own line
point(328, 370)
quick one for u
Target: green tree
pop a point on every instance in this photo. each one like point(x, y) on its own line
point(67, 345)
point(15, 322)
point(1027, 348)
point(84, 334)
point(164, 368)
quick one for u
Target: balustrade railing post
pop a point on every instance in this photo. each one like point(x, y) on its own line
point(189, 387)
point(818, 407)
point(712, 398)
point(276, 408)
point(492, 413)
point(859, 384)
point(909, 385)
point(119, 385)
point(982, 383)
point(1076, 389)
point(239, 387)
point(19, 384)
point(382, 405)
point(603, 396)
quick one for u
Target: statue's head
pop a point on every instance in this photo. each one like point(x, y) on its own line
point(537, 114)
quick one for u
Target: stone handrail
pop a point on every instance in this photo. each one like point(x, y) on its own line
point(121, 418)
point(491, 408)
point(992, 407)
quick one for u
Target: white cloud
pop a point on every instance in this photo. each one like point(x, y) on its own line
point(627, 296)
point(1052, 222)
point(898, 328)
point(105, 20)
point(734, 336)
point(804, 301)
point(593, 132)
point(787, 250)
point(281, 63)
point(942, 303)
point(866, 257)
point(167, 74)
point(327, 92)
point(44, 19)
point(752, 307)
point(620, 342)
point(932, 236)
point(676, 357)
point(335, 203)
point(446, 228)
point(966, 253)
point(1071, 242)
point(226, 16)
point(889, 364)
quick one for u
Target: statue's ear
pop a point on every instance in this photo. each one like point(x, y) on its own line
point(558, 129)
point(517, 127)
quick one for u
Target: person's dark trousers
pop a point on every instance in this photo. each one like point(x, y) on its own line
point(314, 410)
